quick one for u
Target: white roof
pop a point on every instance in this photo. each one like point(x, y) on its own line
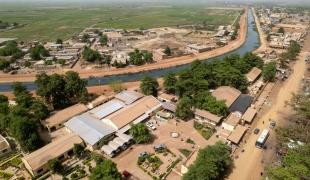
point(114, 145)
point(124, 136)
point(107, 149)
point(107, 108)
point(90, 129)
point(128, 96)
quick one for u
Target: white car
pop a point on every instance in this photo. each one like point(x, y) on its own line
point(151, 125)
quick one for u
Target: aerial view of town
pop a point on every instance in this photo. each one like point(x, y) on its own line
point(154, 89)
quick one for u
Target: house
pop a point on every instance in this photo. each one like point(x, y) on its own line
point(169, 106)
point(231, 121)
point(159, 55)
point(206, 118)
point(128, 96)
point(133, 113)
point(237, 134)
point(107, 108)
point(4, 146)
point(36, 162)
point(249, 115)
point(241, 104)
point(164, 97)
point(57, 120)
point(227, 94)
point(196, 49)
point(98, 101)
point(122, 141)
point(90, 129)
point(253, 75)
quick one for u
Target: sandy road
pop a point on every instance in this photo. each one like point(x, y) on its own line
point(249, 164)
point(262, 36)
point(85, 73)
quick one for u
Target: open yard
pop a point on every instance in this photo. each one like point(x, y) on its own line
point(50, 23)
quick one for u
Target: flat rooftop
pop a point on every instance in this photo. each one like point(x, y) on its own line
point(226, 93)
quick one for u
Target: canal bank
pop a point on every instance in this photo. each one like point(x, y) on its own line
point(250, 44)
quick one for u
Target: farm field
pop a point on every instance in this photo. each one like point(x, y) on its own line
point(50, 23)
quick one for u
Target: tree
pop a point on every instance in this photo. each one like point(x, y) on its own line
point(37, 52)
point(91, 55)
point(4, 64)
point(105, 170)
point(10, 49)
point(204, 100)
point(139, 58)
point(55, 166)
point(281, 30)
point(269, 71)
point(149, 86)
point(59, 41)
point(212, 162)
point(19, 88)
point(168, 51)
point(184, 108)
point(295, 165)
point(140, 133)
point(170, 82)
point(78, 150)
point(85, 38)
point(103, 40)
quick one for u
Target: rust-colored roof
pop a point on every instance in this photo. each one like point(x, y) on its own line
point(40, 157)
point(249, 114)
point(208, 115)
point(253, 74)
point(3, 143)
point(226, 93)
point(128, 114)
point(64, 115)
point(232, 119)
point(237, 134)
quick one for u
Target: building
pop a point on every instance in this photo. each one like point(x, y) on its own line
point(36, 162)
point(196, 49)
point(241, 104)
point(98, 101)
point(164, 97)
point(133, 113)
point(249, 115)
point(90, 129)
point(227, 94)
point(206, 118)
point(231, 121)
point(4, 146)
point(159, 55)
point(128, 96)
point(253, 75)
point(237, 134)
point(58, 119)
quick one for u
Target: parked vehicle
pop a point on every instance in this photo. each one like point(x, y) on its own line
point(256, 131)
point(272, 124)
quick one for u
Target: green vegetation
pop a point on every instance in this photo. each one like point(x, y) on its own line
point(78, 150)
point(185, 152)
point(184, 108)
point(91, 55)
point(292, 52)
point(11, 49)
point(103, 40)
point(170, 82)
point(117, 86)
point(38, 52)
point(139, 58)
point(281, 30)
point(190, 141)
point(168, 51)
point(204, 132)
point(140, 133)
point(46, 23)
point(61, 91)
point(149, 86)
point(5, 176)
point(212, 162)
point(295, 161)
point(4, 64)
point(55, 166)
point(269, 71)
point(153, 160)
point(58, 41)
point(204, 100)
point(23, 120)
point(105, 170)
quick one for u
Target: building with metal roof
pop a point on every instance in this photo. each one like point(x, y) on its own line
point(128, 96)
point(253, 74)
point(207, 118)
point(90, 129)
point(107, 108)
point(226, 93)
point(241, 104)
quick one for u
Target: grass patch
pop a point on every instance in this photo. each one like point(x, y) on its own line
point(5, 176)
point(203, 131)
point(185, 152)
point(46, 24)
point(190, 141)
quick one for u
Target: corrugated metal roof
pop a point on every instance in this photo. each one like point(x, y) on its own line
point(107, 108)
point(107, 149)
point(129, 96)
point(91, 130)
point(114, 145)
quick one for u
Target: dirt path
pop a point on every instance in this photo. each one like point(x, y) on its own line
point(262, 36)
point(85, 73)
point(252, 161)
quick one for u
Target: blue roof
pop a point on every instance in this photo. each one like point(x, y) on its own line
point(107, 108)
point(90, 129)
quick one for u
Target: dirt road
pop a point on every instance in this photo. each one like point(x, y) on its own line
point(85, 73)
point(252, 161)
point(262, 36)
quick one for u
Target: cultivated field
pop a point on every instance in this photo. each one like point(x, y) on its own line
point(50, 23)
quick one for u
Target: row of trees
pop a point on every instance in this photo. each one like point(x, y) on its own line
point(38, 52)
point(61, 91)
point(295, 163)
point(291, 53)
point(22, 121)
point(213, 162)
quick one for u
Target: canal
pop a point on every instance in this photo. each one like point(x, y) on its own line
point(251, 43)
